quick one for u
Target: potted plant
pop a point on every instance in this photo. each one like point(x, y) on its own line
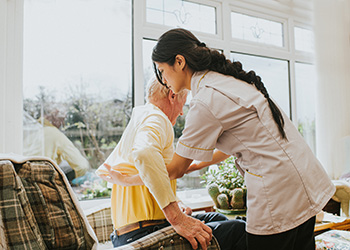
point(226, 187)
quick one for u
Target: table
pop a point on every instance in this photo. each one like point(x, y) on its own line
point(321, 227)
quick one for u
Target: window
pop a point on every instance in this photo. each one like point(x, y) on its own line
point(74, 80)
point(78, 64)
point(305, 80)
point(274, 75)
point(256, 29)
point(180, 13)
point(148, 71)
point(304, 40)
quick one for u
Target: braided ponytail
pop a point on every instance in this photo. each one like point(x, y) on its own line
point(222, 65)
point(199, 58)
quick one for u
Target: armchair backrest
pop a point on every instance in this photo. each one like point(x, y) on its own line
point(38, 208)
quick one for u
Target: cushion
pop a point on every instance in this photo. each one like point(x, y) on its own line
point(333, 240)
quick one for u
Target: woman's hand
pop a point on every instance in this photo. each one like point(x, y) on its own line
point(116, 177)
point(193, 167)
point(217, 157)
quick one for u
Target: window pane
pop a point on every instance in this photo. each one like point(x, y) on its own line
point(148, 71)
point(304, 39)
point(76, 84)
point(256, 29)
point(180, 13)
point(274, 74)
point(192, 180)
point(305, 75)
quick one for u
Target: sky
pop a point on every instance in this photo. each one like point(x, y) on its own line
point(74, 43)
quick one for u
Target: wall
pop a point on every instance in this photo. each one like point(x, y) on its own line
point(332, 41)
point(11, 47)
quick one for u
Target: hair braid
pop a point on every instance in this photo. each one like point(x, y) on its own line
point(222, 65)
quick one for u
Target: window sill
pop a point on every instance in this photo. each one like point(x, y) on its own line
point(92, 206)
point(196, 199)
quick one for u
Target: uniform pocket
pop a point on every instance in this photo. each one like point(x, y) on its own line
point(256, 175)
point(258, 213)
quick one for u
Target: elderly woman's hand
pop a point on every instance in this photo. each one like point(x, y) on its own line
point(185, 209)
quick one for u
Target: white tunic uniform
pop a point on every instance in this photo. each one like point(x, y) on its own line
point(286, 184)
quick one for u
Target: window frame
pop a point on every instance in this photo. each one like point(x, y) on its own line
point(269, 17)
point(215, 4)
point(290, 16)
point(300, 53)
point(293, 13)
point(284, 12)
point(11, 72)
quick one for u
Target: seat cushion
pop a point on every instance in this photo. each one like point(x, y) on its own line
point(333, 240)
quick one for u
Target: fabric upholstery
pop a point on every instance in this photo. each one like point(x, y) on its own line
point(165, 239)
point(18, 218)
point(38, 208)
point(101, 223)
point(333, 240)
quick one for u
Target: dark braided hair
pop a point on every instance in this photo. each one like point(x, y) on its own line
point(199, 57)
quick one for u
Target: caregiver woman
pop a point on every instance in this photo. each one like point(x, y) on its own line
point(231, 111)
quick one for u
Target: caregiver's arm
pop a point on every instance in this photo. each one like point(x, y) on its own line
point(217, 157)
point(176, 169)
point(178, 166)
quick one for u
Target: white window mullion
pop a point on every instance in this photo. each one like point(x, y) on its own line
point(226, 26)
point(290, 30)
point(3, 33)
point(293, 92)
point(11, 56)
point(138, 16)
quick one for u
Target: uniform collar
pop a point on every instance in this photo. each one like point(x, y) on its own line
point(196, 81)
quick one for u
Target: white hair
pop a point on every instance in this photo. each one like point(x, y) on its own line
point(156, 91)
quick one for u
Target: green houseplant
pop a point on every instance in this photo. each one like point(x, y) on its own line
point(226, 187)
